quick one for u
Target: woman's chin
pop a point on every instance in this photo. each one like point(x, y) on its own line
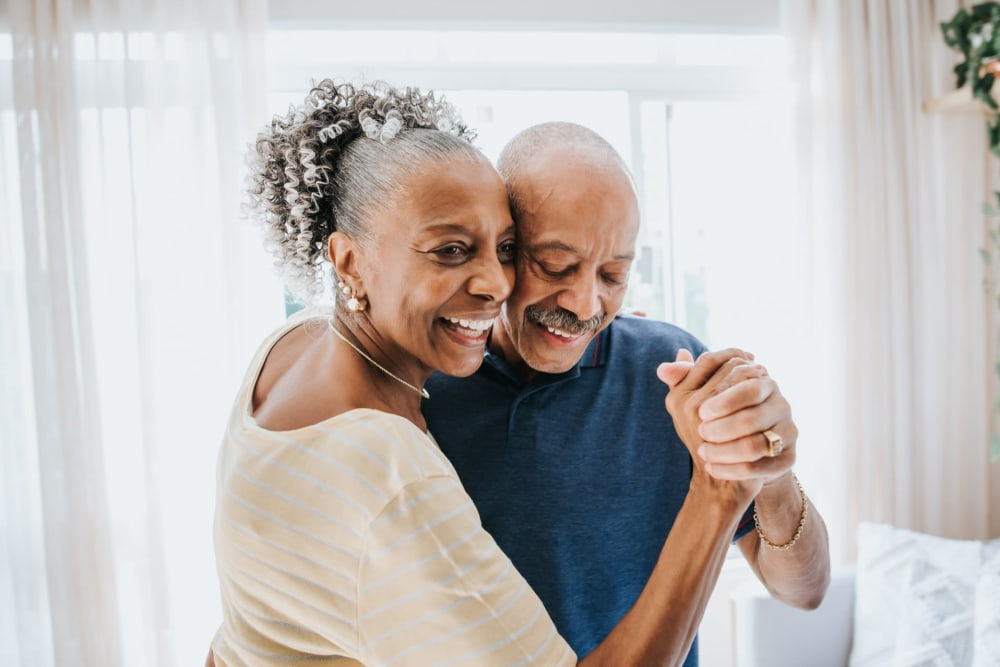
point(462, 369)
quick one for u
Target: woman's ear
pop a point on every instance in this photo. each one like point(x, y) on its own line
point(345, 255)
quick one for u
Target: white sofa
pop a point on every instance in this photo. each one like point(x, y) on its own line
point(768, 633)
point(911, 599)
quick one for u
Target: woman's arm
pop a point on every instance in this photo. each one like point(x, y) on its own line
point(660, 627)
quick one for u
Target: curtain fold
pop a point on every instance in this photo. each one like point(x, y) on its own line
point(894, 200)
point(130, 299)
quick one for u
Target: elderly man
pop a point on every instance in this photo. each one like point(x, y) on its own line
point(578, 468)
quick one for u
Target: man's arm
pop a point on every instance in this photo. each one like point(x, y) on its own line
point(799, 574)
point(796, 570)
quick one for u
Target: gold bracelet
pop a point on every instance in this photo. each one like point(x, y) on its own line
point(798, 531)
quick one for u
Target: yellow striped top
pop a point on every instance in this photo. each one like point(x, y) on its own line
point(352, 542)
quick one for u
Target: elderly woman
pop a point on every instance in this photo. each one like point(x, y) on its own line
point(342, 534)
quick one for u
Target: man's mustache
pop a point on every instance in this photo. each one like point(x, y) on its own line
point(564, 320)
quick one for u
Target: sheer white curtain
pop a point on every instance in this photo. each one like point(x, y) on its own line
point(128, 309)
point(894, 198)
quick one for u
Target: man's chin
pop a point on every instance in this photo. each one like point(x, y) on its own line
point(546, 360)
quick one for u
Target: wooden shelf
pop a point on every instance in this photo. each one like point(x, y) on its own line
point(957, 101)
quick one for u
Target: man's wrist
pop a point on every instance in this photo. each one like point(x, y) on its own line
point(780, 495)
point(803, 516)
point(731, 499)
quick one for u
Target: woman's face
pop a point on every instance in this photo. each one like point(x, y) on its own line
point(440, 266)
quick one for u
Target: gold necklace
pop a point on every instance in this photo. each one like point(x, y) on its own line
point(421, 391)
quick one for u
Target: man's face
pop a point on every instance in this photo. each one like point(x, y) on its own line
point(576, 238)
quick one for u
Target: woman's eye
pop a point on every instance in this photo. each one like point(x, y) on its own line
point(506, 250)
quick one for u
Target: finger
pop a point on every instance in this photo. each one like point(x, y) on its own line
point(748, 421)
point(671, 373)
point(747, 449)
point(764, 468)
point(710, 362)
point(719, 377)
point(745, 387)
point(735, 376)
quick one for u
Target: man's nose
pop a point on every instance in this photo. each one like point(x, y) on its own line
point(582, 298)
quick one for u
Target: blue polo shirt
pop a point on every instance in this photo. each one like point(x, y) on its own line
point(579, 475)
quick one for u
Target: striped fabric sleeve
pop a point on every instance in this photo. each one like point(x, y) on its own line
point(435, 589)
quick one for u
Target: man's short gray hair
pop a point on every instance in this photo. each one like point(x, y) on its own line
point(581, 142)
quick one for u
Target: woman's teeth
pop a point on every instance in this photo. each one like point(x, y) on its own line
point(475, 326)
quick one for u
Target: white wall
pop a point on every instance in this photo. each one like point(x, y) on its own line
point(703, 15)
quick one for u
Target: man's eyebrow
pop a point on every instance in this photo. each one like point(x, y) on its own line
point(553, 245)
point(562, 247)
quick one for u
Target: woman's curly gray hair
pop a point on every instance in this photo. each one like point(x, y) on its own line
point(329, 163)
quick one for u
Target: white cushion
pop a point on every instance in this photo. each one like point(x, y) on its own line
point(769, 633)
point(987, 630)
point(914, 599)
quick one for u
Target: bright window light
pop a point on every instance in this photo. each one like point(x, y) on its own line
point(671, 104)
point(729, 50)
point(550, 47)
point(331, 46)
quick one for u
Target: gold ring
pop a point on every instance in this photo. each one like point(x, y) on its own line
point(774, 444)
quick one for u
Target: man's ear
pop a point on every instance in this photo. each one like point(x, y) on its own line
point(345, 257)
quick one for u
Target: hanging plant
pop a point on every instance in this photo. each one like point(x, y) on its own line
point(971, 33)
point(975, 34)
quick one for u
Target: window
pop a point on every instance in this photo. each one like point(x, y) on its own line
point(703, 120)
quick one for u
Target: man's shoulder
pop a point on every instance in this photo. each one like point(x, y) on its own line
point(640, 335)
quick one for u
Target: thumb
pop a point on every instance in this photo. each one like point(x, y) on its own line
point(672, 373)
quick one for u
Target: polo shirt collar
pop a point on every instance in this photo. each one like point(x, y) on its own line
point(597, 352)
point(596, 355)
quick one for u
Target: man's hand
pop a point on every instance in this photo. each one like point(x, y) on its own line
point(743, 405)
point(721, 404)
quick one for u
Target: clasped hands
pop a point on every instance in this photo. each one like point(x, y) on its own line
point(720, 405)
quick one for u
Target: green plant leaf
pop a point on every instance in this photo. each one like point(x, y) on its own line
point(960, 75)
point(993, 132)
point(981, 91)
point(985, 254)
point(995, 449)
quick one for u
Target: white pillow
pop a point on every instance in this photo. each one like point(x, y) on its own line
point(915, 598)
point(987, 648)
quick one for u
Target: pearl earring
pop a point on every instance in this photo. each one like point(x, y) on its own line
point(354, 304)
